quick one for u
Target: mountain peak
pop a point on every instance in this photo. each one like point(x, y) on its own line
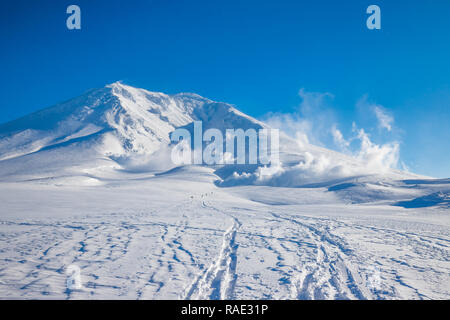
point(102, 127)
point(112, 122)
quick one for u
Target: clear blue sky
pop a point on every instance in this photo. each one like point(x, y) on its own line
point(254, 54)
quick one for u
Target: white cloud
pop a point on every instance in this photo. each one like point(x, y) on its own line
point(384, 119)
point(339, 140)
point(313, 101)
point(292, 124)
point(322, 167)
point(310, 122)
point(377, 157)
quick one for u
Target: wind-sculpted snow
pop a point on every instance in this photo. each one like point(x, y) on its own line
point(435, 199)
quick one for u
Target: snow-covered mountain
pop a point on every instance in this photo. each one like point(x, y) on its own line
point(106, 132)
point(88, 186)
point(118, 120)
point(105, 126)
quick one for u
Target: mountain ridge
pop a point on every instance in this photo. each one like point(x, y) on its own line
point(118, 122)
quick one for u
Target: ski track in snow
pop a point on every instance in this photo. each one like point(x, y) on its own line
point(330, 275)
point(217, 282)
point(93, 188)
point(207, 248)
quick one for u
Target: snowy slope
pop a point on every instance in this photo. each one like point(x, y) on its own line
point(178, 236)
point(119, 128)
point(103, 129)
point(87, 184)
